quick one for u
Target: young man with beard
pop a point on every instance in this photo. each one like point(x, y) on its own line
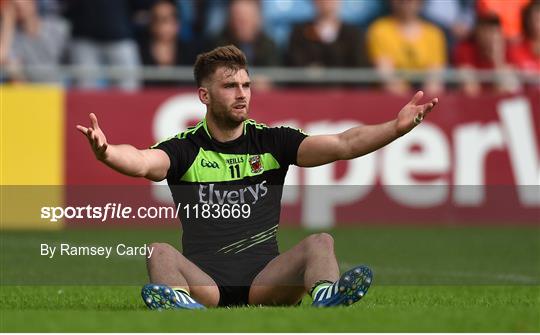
point(228, 159)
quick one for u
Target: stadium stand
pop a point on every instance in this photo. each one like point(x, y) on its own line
point(103, 53)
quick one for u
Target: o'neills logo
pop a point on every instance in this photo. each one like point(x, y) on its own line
point(208, 194)
point(234, 160)
point(256, 164)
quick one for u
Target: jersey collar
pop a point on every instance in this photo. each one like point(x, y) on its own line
point(205, 126)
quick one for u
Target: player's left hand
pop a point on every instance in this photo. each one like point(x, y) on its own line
point(412, 113)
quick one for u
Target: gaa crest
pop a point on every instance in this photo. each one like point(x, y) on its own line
point(256, 164)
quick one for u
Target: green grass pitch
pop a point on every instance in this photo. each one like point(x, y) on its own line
point(427, 279)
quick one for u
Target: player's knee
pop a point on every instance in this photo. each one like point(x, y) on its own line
point(321, 241)
point(206, 295)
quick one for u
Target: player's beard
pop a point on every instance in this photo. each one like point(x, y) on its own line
point(227, 117)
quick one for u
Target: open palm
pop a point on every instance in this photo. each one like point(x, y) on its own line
point(412, 113)
point(95, 137)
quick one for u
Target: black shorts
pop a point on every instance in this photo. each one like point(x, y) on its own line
point(233, 276)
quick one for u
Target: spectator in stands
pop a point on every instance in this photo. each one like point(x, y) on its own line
point(161, 46)
point(403, 41)
point(525, 55)
point(103, 34)
point(455, 17)
point(202, 19)
point(244, 30)
point(280, 16)
point(508, 11)
point(485, 50)
point(28, 40)
point(362, 13)
point(326, 41)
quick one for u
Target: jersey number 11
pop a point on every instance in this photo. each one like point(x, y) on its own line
point(235, 171)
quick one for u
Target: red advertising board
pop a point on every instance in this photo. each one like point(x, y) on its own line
point(473, 160)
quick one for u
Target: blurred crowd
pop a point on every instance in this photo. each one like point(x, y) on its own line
point(389, 36)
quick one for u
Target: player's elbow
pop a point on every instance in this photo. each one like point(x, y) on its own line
point(154, 178)
point(155, 175)
point(140, 170)
point(344, 148)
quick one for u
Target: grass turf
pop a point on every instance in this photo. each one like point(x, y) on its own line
point(426, 279)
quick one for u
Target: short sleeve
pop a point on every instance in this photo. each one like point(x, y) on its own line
point(175, 150)
point(287, 141)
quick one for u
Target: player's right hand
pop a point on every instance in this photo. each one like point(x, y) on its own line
point(95, 137)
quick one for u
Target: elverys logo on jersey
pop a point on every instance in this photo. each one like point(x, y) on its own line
point(256, 164)
point(210, 194)
point(209, 164)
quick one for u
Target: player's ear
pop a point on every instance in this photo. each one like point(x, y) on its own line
point(203, 95)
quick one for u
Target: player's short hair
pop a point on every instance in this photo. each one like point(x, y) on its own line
point(227, 56)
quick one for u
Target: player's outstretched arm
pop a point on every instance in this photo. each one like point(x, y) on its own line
point(361, 140)
point(124, 158)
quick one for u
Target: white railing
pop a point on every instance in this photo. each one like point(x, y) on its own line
point(300, 75)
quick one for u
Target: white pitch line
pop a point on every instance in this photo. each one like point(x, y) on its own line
point(506, 278)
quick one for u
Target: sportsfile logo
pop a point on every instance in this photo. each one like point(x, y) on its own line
point(208, 194)
point(209, 164)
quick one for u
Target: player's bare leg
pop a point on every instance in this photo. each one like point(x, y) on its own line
point(287, 278)
point(169, 267)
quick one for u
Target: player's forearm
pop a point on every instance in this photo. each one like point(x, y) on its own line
point(362, 140)
point(125, 159)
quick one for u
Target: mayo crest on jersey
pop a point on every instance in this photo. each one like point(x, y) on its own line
point(249, 170)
